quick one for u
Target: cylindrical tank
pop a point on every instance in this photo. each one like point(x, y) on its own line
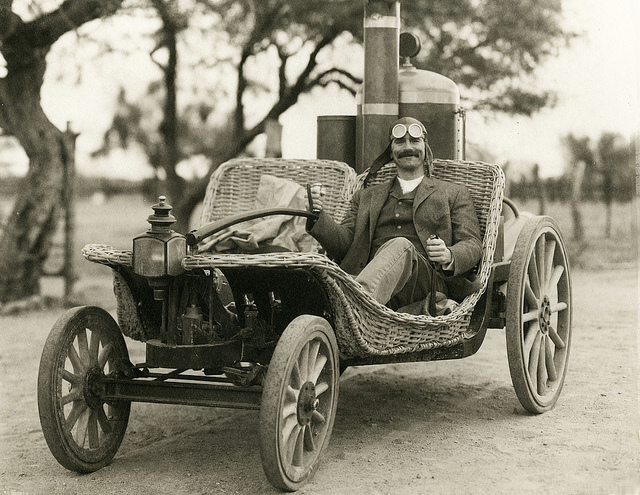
point(434, 100)
point(336, 138)
point(377, 100)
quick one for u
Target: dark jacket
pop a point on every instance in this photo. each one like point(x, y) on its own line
point(440, 207)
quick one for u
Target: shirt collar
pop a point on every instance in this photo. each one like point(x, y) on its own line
point(408, 186)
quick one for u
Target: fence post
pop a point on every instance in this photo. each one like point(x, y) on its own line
point(273, 130)
point(539, 189)
point(577, 176)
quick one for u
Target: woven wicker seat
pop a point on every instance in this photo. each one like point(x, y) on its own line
point(363, 326)
point(233, 186)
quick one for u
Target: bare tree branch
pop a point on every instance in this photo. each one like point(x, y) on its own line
point(46, 29)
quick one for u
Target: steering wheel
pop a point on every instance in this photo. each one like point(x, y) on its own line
point(195, 236)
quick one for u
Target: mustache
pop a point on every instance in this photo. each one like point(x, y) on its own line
point(404, 153)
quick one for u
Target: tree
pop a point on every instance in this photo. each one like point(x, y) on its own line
point(614, 162)
point(486, 45)
point(24, 44)
point(581, 159)
point(608, 171)
point(491, 47)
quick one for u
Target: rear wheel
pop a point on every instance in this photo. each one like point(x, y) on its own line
point(538, 319)
point(82, 431)
point(299, 402)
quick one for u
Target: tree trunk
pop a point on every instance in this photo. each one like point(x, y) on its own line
point(25, 241)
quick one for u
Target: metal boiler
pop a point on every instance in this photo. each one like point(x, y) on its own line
point(389, 92)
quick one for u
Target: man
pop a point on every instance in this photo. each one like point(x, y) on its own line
point(393, 232)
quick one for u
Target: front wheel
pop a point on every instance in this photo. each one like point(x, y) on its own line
point(538, 319)
point(82, 431)
point(299, 402)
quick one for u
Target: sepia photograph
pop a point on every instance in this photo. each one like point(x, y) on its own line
point(319, 246)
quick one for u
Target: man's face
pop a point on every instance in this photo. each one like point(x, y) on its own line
point(408, 152)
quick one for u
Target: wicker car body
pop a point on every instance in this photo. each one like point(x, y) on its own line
point(366, 331)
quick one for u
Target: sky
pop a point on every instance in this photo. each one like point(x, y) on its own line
point(596, 80)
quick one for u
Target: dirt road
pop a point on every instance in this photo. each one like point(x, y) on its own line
point(443, 428)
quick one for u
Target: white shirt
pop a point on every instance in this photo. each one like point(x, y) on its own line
point(409, 185)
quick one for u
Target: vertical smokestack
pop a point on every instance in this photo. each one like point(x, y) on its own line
point(378, 105)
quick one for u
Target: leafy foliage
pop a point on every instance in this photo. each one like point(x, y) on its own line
point(609, 171)
point(255, 59)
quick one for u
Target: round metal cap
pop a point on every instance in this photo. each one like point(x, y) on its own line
point(410, 45)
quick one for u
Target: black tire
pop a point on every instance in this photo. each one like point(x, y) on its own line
point(299, 402)
point(82, 431)
point(538, 318)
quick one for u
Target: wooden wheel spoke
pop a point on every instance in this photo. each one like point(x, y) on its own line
point(549, 363)
point(290, 424)
point(70, 377)
point(296, 378)
point(83, 347)
point(317, 369)
point(529, 297)
point(291, 394)
point(289, 409)
point(321, 388)
point(103, 420)
point(530, 316)
point(557, 340)
point(298, 452)
point(542, 367)
point(534, 358)
point(555, 277)
point(78, 366)
point(94, 347)
point(529, 339)
point(313, 356)
point(309, 443)
point(74, 395)
point(317, 417)
point(534, 275)
point(105, 354)
point(556, 308)
point(92, 430)
point(304, 363)
point(76, 411)
point(548, 262)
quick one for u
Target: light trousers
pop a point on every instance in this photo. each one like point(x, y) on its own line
point(399, 275)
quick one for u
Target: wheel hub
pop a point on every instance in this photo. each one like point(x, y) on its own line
point(544, 316)
point(307, 403)
point(90, 388)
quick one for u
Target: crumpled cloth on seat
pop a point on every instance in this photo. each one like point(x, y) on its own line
point(444, 306)
point(282, 232)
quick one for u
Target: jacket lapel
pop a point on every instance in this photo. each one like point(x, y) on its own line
point(425, 189)
point(378, 197)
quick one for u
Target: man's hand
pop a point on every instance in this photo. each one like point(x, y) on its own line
point(437, 251)
point(318, 193)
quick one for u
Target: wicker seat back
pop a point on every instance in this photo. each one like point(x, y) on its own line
point(233, 186)
point(484, 181)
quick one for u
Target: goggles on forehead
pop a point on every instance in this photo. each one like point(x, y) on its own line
point(400, 130)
